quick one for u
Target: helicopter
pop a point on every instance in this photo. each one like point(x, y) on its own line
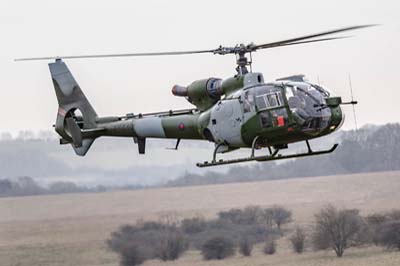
point(242, 111)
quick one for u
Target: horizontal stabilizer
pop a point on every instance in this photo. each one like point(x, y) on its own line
point(86, 143)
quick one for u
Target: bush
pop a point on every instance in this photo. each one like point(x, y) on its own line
point(245, 246)
point(218, 248)
point(374, 221)
point(279, 215)
point(171, 240)
point(337, 229)
point(151, 225)
point(171, 246)
point(270, 247)
point(394, 215)
point(248, 216)
point(297, 240)
point(134, 235)
point(194, 225)
point(168, 238)
point(382, 227)
point(147, 240)
point(120, 238)
point(389, 235)
point(131, 255)
point(254, 233)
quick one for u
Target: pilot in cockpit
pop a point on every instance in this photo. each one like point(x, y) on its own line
point(298, 107)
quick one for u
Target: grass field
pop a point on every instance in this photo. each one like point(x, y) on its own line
point(70, 229)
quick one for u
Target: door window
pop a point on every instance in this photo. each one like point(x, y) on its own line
point(268, 97)
point(269, 100)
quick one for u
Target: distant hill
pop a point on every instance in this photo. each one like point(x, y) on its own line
point(111, 161)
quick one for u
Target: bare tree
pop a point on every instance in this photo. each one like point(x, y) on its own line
point(267, 217)
point(394, 215)
point(193, 225)
point(6, 187)
point(172, 244)
point(131, 255)
point(269, 247)
point(386, 229)
point(64, 187)
point(375, 221)
point(279, 215)
point(245, 246)
point(218, 247)
point(171, 240)
point(337, 229)
point(248, 215)
point(148, 240)
point(389, 234)
point(298, 239)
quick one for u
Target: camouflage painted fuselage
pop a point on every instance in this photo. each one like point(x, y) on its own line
point(232, 112)
point(241, 115)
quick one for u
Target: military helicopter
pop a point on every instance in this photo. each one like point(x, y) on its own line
point(242, 111)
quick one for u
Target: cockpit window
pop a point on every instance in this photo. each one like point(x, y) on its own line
point(268, 97)
point(248, 103)
point(270, 104)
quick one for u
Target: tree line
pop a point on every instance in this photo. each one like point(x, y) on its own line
point(27, 186)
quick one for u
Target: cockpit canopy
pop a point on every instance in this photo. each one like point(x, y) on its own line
point(308, 106)
point(304, 101)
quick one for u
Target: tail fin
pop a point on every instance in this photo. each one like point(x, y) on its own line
point(75, 114)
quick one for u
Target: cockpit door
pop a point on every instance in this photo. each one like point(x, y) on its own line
point(271, 107)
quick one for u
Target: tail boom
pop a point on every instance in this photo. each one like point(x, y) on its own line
point(79, 125)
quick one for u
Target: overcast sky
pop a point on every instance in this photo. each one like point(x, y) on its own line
point(120, 86)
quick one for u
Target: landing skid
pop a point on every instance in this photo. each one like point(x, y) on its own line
point(271, 157)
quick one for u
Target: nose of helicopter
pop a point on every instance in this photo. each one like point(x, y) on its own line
point(337, 118)
point(310, 110)
point(315, 109)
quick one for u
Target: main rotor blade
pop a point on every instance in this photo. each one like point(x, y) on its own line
point(220, 50)
point(316, 40)
point(312, 36)
point(116, 55)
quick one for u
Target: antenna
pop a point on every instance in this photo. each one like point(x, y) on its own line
point(352, 100)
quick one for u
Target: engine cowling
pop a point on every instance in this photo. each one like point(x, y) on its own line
point(201, 93)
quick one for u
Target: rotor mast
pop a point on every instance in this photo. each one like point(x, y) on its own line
point(242, 62)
